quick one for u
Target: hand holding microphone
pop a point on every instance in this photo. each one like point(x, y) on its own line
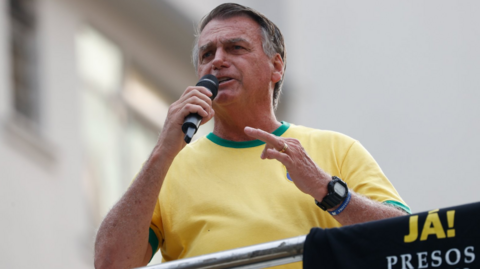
point(192, 121)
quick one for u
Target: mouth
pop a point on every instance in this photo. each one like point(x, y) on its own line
point(223, 80)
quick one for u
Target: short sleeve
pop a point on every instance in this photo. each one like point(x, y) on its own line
point(364, 176)
point(156, 230)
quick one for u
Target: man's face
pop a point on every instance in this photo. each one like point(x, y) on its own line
point(231, 49)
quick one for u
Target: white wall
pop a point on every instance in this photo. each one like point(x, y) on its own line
point(48, 220)
point(402, 77)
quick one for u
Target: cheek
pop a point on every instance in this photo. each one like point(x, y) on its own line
point(203, 69)
point(201, 72)
point(260, 70)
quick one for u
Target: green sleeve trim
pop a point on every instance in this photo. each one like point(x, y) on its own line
point(246, 144)
point(398, 205)
point(153, 240)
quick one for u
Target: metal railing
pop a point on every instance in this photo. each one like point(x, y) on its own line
point(252, 257)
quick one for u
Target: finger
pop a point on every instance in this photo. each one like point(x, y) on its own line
point(254, 133)
point(268, 138)
point(194, 108)
point(274, 154)
point(209, 117)
point(196, 94)
point(196, 100)
point(200, 89)
point(190, 93)
point(205, 91)
point(267, 146)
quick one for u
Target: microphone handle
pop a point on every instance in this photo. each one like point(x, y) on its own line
point(192, 121)
point(190, 126)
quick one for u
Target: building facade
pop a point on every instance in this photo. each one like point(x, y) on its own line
point(84, 90)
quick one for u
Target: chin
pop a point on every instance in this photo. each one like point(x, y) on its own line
point(224, 95)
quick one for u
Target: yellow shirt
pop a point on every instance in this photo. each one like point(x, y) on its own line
point(220, 195)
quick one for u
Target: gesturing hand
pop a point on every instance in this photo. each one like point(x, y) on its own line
point(305, 173)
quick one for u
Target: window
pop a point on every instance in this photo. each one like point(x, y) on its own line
point(24, 58)
point(122, 115)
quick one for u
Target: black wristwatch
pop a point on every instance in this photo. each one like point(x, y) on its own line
point(337, 192)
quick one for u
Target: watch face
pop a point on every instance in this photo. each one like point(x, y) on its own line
point(340, 189)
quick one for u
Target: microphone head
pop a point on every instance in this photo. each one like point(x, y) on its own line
point(210, 82)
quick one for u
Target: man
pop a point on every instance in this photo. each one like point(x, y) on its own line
point(254, 179)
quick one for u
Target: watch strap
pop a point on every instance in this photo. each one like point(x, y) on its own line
point(332, 199)
point(342, 206)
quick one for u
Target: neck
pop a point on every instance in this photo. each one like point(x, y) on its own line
point(230, 126)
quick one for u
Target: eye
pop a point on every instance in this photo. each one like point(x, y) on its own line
point(206, 55)
point(237, 47)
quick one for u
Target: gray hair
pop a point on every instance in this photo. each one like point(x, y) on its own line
point(272, 38)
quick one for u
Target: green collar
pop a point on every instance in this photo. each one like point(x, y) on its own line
point(246, 144)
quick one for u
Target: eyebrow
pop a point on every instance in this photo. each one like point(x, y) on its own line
point(228, 41)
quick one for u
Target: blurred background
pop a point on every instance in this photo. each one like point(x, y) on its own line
point(85, 86)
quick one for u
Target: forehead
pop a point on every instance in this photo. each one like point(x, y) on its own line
point(235, 27)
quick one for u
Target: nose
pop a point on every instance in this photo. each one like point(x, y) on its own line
point(220, 61)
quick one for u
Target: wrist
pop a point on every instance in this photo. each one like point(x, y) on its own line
point(169, 143)
point(339, 209)
point(337, 193)
point(320, 190)
point(162, 152)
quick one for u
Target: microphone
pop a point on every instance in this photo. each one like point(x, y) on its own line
point(192, 121)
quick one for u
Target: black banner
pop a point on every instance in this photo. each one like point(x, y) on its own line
point(442, 238)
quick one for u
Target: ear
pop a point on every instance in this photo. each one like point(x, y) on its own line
point(277, 72)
